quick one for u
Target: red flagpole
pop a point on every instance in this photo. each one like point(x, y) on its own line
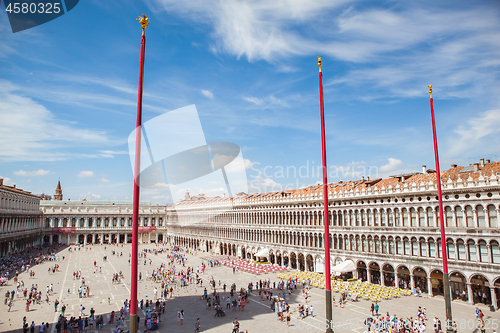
point(446, 277)
point(328, 283)
point(137, 170)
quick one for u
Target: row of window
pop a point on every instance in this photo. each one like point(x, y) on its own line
point(13, 201)
point(99, 223)
point(470, 250)
point(477, 217)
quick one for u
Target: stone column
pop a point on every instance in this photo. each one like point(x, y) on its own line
point(470, 295)
point(396, 278)
point(149, 237)
point(382, 277)
point(429, 286)
point(493, 297)
point(102, 239)
point(412, 282)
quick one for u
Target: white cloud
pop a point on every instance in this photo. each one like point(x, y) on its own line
point(104, 180)
point(262, 185)
point(35, 173)
point(86, 174)
point(478, 134)
point(208, 93)
point(392, 165)
point(7, 181)
point(33, 133)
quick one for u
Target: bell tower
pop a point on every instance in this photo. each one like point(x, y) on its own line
point(58, 194)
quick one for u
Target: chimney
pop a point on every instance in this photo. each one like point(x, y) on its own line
point(453, 166)
point(481, 162)
point(14, 185)
point(362, 177)
point(424, 169)
point(1, 181)
point(476, 166)
point(367, 178)
point(488, 161)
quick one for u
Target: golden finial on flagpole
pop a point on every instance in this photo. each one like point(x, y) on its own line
point(319, 63)
point(144, 21)
point(430, 89)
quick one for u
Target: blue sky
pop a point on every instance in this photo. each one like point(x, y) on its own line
point(68, 88)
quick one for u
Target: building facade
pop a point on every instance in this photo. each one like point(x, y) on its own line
point(20, 219)
point(98, 222)
point(390, 228)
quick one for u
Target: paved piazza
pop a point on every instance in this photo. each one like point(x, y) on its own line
point(257, 316)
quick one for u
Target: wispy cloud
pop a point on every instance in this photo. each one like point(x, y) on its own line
point(478, 134)
point(33, 133)
point(85, 174)
point(104, 180)
point(208, 93)
point(35, 173)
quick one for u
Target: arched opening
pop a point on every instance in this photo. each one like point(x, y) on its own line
point(310, 263)
point(301, 262)
point(81, 239)
point(293, 260)
point(437, 282)
point(243, 253)
point(420, 279)
point(279, 259)
point(496, 285)
point(404, 277)
point(121, 238)
point(361, 268)
point(160, 238)
point(374, 270)
point(272, 257)
point(286, 260)
point(389, 278)
point(458, 286)
point(89, 239)
point(480, 289)
point(46, 239)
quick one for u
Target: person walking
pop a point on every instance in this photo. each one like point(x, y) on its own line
point(372, 308)
point(236, 326)
point(197, 325)
point(376, 309)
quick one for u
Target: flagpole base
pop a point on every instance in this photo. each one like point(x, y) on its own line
point(329, 320)
point(447, 301)
point(133, 323)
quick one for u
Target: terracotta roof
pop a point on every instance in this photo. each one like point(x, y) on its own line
point(409, 180)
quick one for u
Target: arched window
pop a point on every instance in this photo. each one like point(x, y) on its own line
point(363, 218)
point(430, 217)
point(492, 215)
point(365, 245)
point(384, 246)
point(391, 247)
point(421, 217)
point(481, 221)
point(460, 216)
point(370, 217)
point(358, 218)
point(423, 247)
point(352, 217)
point(406, 222)
point(432, 248)
point(391, 218)
point(377, 245)
point(375, 218)
point(470, 216)
point(450, 247)
point(397, 218)
point(414, 247)
point(449, 216)
point(483, 251)
point(461, 250)
point(495, 252)
point(382, 217)
point(413, 217)
point(406, 246)
point(472, 250)
point(399, 246)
